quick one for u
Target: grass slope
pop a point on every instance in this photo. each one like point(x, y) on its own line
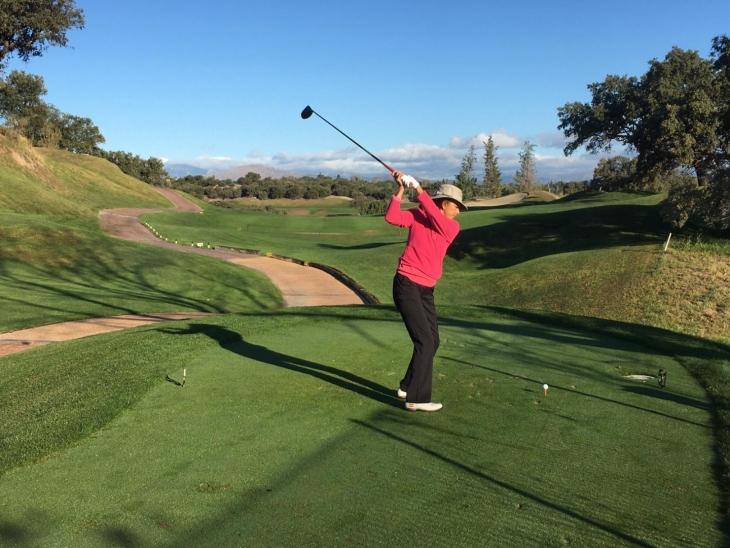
point(56, 182)
point(296, 440)
point(56, 264)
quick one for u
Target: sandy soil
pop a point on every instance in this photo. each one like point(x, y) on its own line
point(494, 202)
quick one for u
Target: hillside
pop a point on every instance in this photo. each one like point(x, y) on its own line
point(56, 182)
point(56, 264)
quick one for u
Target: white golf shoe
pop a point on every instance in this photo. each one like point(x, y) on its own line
point(430, 406)
point(401, 394)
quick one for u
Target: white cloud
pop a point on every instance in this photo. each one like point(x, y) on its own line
point(213, 162)
point(424, 160)
point(501, 138)
point(550, 139)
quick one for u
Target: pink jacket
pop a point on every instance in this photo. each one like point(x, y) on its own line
point(430, 235)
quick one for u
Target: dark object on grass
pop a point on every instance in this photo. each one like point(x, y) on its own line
point(308, 111)
point(168, 378)
point(662, 376)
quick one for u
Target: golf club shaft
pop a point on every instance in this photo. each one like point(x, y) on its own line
point(386, 166)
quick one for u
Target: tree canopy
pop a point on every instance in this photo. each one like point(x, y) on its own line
point(23, 109)
point(79, 134)
point(492, 186)
point(669, 116)
point(465, 180)
point(526, 176)
point(675, 117)
point(28, 27)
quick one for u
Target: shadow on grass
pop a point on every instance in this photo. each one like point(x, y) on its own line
point(116, 536)
point(707, 361)
point(501, 484)
point(234, 342)
point(111, 282)
point(12, 534)
point(667, 396)
point(388, 426)
point(370, 245)
point(680, 399)
point(521, 238)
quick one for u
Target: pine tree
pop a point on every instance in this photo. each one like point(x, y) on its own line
point(465, 180)
point(526, 176)
point(492, 186)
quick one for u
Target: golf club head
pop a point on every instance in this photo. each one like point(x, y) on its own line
point(307, 112)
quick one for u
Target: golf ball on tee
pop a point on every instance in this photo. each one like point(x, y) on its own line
point(545, 387)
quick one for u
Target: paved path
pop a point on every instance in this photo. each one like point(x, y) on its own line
point(299, 285)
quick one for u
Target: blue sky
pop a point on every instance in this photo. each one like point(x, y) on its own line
point(222, 83)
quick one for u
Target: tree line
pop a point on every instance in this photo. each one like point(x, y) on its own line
point(491, 185)
point(369, 197)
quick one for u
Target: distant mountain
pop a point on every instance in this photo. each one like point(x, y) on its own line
point(240, 171)
point(181, 170)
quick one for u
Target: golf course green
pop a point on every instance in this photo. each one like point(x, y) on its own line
point(287, 432)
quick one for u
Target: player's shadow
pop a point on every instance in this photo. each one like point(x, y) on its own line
point(234, 342)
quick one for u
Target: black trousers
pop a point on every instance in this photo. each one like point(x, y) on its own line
point(416, 307)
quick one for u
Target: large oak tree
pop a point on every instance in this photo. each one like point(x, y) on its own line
point(669, 116)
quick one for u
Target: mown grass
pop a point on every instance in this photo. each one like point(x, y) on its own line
point(276, 440)
point(563, 256)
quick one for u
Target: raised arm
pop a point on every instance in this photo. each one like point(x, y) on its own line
point(393, 214)
point(448, 228)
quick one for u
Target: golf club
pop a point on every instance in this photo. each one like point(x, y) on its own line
point(308, 111)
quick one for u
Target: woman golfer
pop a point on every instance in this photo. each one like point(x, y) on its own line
point(431, 229)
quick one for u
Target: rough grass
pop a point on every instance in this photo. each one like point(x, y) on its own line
point(690, 290)
point(297, 440)
point(55, 182)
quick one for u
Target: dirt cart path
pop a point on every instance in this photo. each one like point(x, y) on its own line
point(299, 285)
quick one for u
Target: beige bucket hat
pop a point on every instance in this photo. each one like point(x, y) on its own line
point(451, 192)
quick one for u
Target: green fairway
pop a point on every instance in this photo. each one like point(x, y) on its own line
point(564, 255)
point(286, 433)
